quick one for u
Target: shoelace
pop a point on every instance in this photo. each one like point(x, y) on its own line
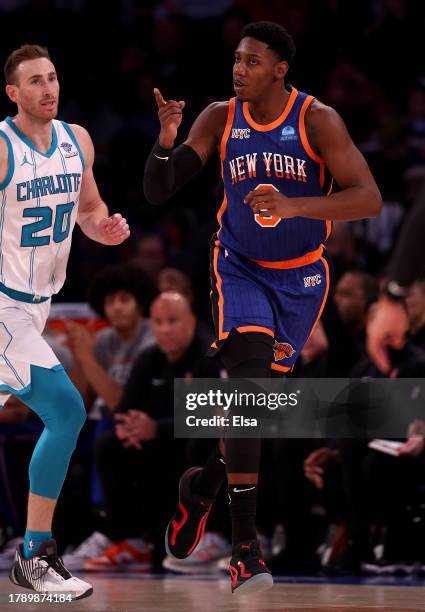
point(53, 561)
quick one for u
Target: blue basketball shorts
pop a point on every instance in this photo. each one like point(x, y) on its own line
point(283, 303)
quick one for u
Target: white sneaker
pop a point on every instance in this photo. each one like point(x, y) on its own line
point(46, 573)
point(92, 547)
point(8, 553)
point(204, 558)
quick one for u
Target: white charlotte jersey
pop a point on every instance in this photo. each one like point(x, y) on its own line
point(38, 208)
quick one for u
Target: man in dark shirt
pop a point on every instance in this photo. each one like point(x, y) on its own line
point(139, 462)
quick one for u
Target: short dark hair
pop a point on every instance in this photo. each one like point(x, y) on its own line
point(24, 53)
point(121, 277)
point(274, 35)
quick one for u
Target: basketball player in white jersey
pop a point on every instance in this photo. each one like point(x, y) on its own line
point(46, 185)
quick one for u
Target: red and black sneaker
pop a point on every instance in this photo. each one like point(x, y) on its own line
point(247, 569)
point(187, 526)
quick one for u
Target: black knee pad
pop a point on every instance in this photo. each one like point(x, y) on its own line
point(248, 354)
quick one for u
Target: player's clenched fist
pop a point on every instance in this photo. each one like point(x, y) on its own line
point(170, 116)
point(114, 229)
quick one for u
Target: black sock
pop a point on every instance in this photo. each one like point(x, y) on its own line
point(208, 482)
point(243, 509)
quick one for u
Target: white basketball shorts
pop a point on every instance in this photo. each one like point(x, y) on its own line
point(21, 344)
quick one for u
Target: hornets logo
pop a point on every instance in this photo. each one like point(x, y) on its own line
point(282, 350)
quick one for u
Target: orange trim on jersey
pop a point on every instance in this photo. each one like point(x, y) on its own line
point(223, 144)
point(276, 366)
point(270, 126)
point(325, 297)
point(255, 328)
point(221, 334)
point(303, 134)
point(219, 215)
point(227, 128)
point(305, 260)
point(328, 228)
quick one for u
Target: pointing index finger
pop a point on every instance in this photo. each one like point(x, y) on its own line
point(158, 97)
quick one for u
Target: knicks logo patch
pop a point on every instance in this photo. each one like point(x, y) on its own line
point(282, 350)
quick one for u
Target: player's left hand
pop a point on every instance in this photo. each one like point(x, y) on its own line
point(114, 229)
point(270, 203)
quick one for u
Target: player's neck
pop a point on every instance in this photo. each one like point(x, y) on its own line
point(270, 107)
point(38, 132)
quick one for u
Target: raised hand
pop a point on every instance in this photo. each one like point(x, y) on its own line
point(170, 116)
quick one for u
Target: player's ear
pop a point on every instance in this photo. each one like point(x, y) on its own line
point(281, 69)
point(11, 92)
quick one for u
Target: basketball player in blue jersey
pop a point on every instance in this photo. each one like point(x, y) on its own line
point(46, 185)
point(269, 276)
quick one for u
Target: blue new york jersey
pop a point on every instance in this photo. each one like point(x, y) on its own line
point(276, 155)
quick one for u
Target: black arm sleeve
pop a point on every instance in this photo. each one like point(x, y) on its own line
point(167, 170)
point(408, 262)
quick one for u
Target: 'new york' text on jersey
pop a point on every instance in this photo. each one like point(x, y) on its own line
point(273, 156)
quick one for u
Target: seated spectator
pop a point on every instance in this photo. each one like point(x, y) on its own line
point(139, 497)
point(173, 279)
point(376, 489)
point(354, 293)
point(121, 294)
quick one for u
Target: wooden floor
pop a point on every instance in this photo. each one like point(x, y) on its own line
point(124, 594)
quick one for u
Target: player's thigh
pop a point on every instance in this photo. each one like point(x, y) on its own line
point(21, 345)
point(239, 299)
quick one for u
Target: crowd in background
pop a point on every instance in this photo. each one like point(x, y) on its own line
point(340, 507)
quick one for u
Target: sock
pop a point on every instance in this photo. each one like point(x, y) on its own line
point(208, 482)
point(243, 509)
point(32, 541)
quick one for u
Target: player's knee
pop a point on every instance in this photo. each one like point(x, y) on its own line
point(64, 408)
point(248, 354)
point(73, 413)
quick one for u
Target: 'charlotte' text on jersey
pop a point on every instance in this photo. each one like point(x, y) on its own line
point(48, 185)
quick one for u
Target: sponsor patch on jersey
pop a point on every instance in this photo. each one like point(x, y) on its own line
point(241, 133)
point(288, 133)
point(282, 350)
point(312, 281)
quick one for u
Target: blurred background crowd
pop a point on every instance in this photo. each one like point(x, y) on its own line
point(340, 507)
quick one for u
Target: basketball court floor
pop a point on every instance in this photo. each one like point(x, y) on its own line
point(169, 593)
